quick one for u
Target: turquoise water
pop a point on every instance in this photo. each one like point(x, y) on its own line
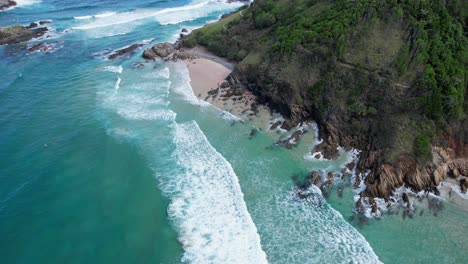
point(101, 161)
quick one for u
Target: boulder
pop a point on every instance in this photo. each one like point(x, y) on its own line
point(184, 30)
point(406, 200)
point(316, 178)
point(149, 54)
point(163, 49)
point(464, 185)
point(159, 51)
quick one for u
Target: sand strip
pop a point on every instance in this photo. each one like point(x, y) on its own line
point(208, 75)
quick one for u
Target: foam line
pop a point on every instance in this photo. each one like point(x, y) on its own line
point(209, 210)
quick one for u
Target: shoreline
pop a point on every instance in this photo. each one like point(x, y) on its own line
point(210, 82)
point(208, 74)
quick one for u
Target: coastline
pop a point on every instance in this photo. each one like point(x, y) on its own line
point(210, 81)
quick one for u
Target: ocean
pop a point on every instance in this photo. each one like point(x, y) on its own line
point(105, 161)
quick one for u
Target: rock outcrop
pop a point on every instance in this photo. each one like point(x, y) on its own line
point(5, 4)
point(159, 51)
point(17, 34)
point(124, 51)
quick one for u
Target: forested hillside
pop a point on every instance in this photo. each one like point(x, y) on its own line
point(386, 77)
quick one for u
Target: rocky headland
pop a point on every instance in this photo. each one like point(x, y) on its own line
point(372, 79)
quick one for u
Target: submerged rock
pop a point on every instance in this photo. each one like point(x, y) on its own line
point(316, 178)
point(124, 51)
point(292, 140)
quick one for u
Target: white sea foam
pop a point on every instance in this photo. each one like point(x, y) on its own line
point(101, 15)
point(171, 15)
point(116, 69)
point(21, 3)
point(183, 87)
point(305, 229)
point(139, 113)
point(163, 74)
point(213, 223)
point(82, 17)
point(105, 14)
point(117, 83)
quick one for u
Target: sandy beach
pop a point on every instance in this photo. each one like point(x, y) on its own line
point(208, 75)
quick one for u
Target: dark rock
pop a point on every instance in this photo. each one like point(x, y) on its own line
point(18, 34)
point(44, 22)
point(350, 166)
point(406, 200)
point(138, 65)
point(328, 151)
point(276, 125)
point(464, 185)
point(159, 51)
point(149, 54)
point(359, 206)
point(253, 132)
point(213, 92)
point(316, 178)
point(374, 208)
point(184, 30)
point(5, 4)
point(32, 25)
point(292, 140)
point(124, 51)
point(224, 85)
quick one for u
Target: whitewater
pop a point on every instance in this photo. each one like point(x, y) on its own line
point(119, 161)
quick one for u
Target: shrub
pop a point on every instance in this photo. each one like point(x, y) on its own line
point(264, 20)
point(422, 148)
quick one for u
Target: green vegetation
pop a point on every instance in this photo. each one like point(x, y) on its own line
point(422, 147)
point(390, 69)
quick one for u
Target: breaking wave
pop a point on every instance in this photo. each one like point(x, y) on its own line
point(208, 208)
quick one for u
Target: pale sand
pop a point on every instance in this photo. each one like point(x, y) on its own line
point(207, 72)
